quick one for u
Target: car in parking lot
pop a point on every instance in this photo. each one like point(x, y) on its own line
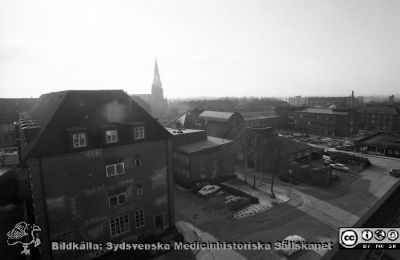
point(236, 202)
point(292, 239)
point(339, 166)
point(395, 173)
point(209, 189)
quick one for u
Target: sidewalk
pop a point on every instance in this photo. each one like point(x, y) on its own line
point(280, 206)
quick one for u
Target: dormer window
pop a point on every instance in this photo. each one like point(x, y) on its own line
point(138, 132)
point(79, 140)
point(111, 136)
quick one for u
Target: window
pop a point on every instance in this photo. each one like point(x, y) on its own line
point(138, 132)
point(139, 188)
point(79, 140)
point(117, 199)
point(111, 136)
point(138, 163)
point(139, 218)
point(115, 169)
point(119, 225)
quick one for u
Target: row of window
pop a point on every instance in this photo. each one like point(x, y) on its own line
point(117, 168)
point(120, 225)
point(121, 198)
point(79, 140)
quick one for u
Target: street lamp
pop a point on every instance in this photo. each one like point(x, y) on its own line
point(290, 181)
point(194, 226)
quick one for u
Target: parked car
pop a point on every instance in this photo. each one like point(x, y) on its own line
point(237, 203)
point(327, 161)
point(230, 198)
point(339, 166)
point(209, 189)
point(292, 239)
point(395, 173)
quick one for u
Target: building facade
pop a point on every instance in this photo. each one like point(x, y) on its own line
point(287, 116)
point(298, 101)
point(382, 143)
point(379, 118)
point(197, 156)
point(222, 124)
point(327, 122)
point(100, 169)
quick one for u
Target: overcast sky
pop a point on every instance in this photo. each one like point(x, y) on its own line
point(203, 47)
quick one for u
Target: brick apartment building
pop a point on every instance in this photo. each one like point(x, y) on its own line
point(100, 170)
point(286, 116)
point(197, 156)
point(379, 118)
point(325, 121)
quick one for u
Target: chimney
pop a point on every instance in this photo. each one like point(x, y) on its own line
point(352, 98)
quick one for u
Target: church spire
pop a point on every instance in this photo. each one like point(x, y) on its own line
point(156, 89)
point(156, 79)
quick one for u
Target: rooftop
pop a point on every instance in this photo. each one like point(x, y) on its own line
point(209, 143)
point(56, 112)
point(217, 115)
point(382, 139)
point(322, 111)
point(183, 131)
point(378, 110)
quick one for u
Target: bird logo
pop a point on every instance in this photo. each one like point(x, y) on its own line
point(24, 234)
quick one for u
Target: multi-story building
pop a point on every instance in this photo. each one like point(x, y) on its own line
point(325, 121)
point(298, 101)
point(287, 116)
point(100, 169)
point(9, 110)
point(260, 119)
point(222, 124)
point(378, 117)
point(197, 156)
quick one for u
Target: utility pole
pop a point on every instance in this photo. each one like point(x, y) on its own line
point(290, 181)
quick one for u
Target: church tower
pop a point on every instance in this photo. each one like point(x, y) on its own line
point(156, 89)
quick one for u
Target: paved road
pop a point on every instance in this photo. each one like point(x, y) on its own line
point(324, 209)
point(224, 228)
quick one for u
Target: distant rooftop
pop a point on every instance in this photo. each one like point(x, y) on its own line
point(378, 110)
point(216, 115)
point(382, 139)
point(322, 111)
point(209, 143)
point(183, 131)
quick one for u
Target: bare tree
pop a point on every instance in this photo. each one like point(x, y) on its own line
point(273, 154)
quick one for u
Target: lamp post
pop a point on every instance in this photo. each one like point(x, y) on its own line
point(290, 181)
point(194, 217)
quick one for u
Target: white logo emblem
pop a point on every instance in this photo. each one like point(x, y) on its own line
point(349, 238)
point(367, 235)
point(24, 234)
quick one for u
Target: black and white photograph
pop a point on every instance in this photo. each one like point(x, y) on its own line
point(203, 130)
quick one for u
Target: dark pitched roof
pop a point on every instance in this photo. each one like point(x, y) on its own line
point(210, 143)
point(57, 112)
point(381, 139)
point(141, 102)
